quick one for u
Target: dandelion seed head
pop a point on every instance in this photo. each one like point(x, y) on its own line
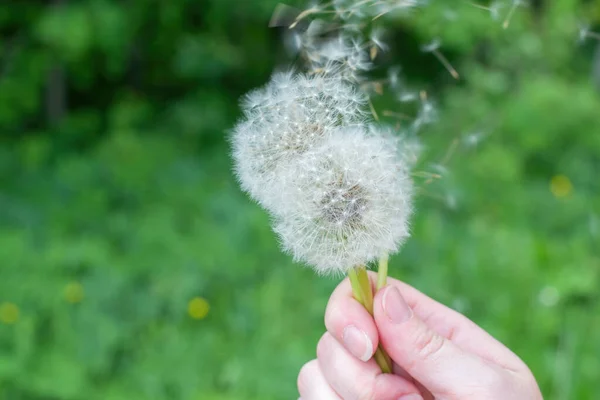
point(285, 119)
point(351, 205)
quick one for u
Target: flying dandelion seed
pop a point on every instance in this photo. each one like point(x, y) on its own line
point(433, 48)
point(394, 77)
point(473, 139)
point(427, 112)
point(493, 9)
point(407, 97)
point(376, 38)
point(515, 4)
point(377, 43)
point(586, 33)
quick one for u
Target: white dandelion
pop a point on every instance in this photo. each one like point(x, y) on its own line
point(347, 202)
point(283, 120)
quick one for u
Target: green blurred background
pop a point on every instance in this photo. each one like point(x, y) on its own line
point(132, 267)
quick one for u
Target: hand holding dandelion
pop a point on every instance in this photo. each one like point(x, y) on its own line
point(337, 187)
point(437, 353)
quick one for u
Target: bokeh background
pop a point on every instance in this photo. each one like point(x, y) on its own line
point(133, 267)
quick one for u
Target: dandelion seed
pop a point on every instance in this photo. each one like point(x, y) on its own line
point(344, 57)
point(515, 4)
point(494, 8)
point(376, 39)
point(407, 97)
point(394, 76)
point(427, 112)
point(585, 33)
point(433, 48)
point(473, 139)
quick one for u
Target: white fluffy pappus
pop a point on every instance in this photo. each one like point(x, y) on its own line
point(343, 56)
point(347, 202)
point(290, 115)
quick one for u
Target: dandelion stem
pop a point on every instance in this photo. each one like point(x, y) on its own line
point(363, 293)
point(356, 288)
point(382, 272)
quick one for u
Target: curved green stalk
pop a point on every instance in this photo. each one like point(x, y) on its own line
point(382, 272)
point(363, 293)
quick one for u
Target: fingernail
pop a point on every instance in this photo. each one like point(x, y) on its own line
point(411, 397)
point(395, 307)
point(357, 342)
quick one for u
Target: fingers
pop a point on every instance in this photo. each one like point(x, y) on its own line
point(344, 312)
point(433, 360)
point(312, 384)
point(352, 326)
point(353, 379)
point(456, 327)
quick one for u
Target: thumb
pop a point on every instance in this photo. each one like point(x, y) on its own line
point(434, 361)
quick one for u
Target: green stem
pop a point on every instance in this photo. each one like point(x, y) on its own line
point(363, 293)
point(382, 272)
point(356, 288)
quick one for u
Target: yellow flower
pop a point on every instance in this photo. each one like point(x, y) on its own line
point(73, 292)
point(198, 308)
point(9, 313)
point(561, 186)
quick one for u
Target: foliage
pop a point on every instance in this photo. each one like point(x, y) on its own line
point(133, 267)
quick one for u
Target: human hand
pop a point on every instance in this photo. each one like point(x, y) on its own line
point(437, 353)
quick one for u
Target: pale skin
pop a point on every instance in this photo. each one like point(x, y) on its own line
point(437, 352)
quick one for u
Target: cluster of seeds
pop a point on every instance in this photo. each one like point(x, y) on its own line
point(337, 185)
